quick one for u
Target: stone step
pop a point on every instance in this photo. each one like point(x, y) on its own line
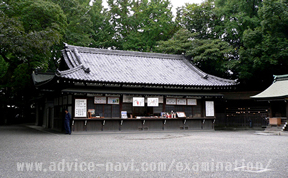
point(274, 128)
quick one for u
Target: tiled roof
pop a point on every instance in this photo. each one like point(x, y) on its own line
point(137, 92)
point(41, 78)
point(278, 89)
point(102, 65)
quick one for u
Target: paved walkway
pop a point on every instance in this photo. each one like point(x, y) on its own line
point(36, 152)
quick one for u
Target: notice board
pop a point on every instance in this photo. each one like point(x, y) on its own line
point(80, 107)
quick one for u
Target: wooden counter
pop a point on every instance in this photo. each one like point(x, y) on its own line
point(142, 124)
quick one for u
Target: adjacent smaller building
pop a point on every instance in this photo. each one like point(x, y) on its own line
point(277, 95)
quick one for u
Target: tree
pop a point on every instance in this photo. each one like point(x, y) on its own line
point(140, 24)
point(214, 56)
point(119, 16)
point(28, 31)
point(255, 31)
point(201, 19)
point(201, 39)
point(79, 25)
point(103, 31)
point(180, 43)
point(264, 50)
point(85, 22)
point(236, 16)
point(156, 23)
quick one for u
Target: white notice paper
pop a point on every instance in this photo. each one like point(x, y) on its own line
point(152, 102)
point(138, 101)
point(80, 108)
point(209, 108)
point(192, 102)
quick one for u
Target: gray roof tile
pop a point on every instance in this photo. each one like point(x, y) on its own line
point(134, 67)
point(278, 89)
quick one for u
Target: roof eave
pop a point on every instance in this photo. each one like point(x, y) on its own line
point(141, 83)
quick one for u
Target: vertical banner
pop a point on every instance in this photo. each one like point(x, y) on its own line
point(209, 106)
point(80, 107)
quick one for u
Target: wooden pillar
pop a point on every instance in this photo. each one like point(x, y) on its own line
point(164, 104)
point(286, 109)
point(203, 108)
point(121, 102)
point(270, 113)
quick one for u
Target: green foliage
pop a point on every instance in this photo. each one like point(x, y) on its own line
point(79, 24)
point(21, 82)
point(119, 16)
point(28, 30)
point(202, 39)
point(180, 43)
point(3, 67)
point(103, 31)
point(214, 56)
point(201, 19)
point(40, 15)
point(246, 38)
point(156, 23)
point(236, 16)
point(141, 27)
point(264, 48)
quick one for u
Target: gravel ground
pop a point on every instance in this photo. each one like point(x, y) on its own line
point(29, 151)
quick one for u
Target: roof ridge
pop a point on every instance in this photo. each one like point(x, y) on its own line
point(70, 57)
point(74, 60)
point(124, 53)
point(280, 77)
point(69, 71)
point(78, 57)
